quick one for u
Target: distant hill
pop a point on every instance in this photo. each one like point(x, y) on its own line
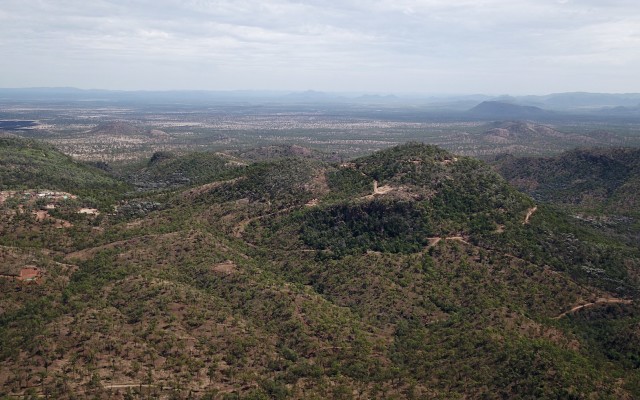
point(116, 128)
point(621, 111)
point(282, 151)
point(577, 102)
point(311, 96)
point(588, 100)
point(120, 128)
point(167, 169)
point(517, 136)
point(501, 110)
point(512, 131)
point(29, 164)
point(595, 178)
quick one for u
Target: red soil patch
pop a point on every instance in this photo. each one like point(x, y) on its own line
point(29, 274)
point(227, 267)
point(199, 190)
point(41, 215)
point(312, 203)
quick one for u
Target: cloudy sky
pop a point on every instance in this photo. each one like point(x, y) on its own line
point(427, 46)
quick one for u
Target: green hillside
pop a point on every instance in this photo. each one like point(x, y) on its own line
point(409, 273)
point(423, 192)
point(605, 179)
point(171, 170)
point(274, 152)
point(28, 164)
point(598, 187)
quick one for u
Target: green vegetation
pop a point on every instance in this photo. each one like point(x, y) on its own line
point(29, 164)
point(409, 273)
point(430, 194)
point(399, 226)
point(282, 182)
point(591, 213)
point(594, 179)
point(166, 169)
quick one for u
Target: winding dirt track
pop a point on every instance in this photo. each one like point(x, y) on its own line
point(432, 241)
point(529, 214)
point(126, 385)
point(599, 301)
point(240, 227)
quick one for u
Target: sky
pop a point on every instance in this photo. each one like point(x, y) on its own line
point(377, 46)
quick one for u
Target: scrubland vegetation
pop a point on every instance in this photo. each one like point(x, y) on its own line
point(408, 273)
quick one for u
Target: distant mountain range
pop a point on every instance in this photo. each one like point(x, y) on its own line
point(581, 100)
point(621, 104)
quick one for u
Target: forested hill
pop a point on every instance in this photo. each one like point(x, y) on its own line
point(408, 273)
point(30, 164)
point(596, 178)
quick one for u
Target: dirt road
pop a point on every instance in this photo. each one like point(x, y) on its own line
point(529, 214)
point(598, 301)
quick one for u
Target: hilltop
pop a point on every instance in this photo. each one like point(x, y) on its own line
point(501, 110)
point(397, 199)
point(169, 170)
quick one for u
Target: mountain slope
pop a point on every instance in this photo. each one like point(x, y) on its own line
point(410, 273)
point(28, 164)
point(596, 178)
point(282, 151)
point(166, 170)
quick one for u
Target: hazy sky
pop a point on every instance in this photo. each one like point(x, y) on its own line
point(430, 46)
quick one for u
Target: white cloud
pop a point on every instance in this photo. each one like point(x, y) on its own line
point(329, 45)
